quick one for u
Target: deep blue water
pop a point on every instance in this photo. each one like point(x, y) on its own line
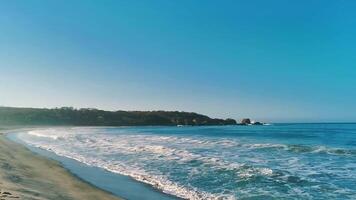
point(281, 161)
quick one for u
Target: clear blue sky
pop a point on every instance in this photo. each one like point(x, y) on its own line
point(272, 60)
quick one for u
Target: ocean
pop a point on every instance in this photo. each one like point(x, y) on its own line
point(279, 161)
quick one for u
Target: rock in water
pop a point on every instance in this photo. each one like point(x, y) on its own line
point(246, 121)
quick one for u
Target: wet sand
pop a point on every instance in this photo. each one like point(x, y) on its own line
point(25, 175)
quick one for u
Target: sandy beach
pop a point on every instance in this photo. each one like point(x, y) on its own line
point(25, 175)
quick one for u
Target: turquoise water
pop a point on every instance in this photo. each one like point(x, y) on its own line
point(288, 161)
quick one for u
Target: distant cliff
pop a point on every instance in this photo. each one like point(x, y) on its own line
point(95, 117)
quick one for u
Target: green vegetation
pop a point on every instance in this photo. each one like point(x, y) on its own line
point(95, 117)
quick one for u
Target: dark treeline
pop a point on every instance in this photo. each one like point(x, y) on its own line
point(95, 117)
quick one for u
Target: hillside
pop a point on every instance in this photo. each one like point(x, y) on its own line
point(95, 117)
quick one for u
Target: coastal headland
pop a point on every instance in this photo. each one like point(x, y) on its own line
point(95, 117)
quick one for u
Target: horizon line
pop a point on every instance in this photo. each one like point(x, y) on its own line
point(240, 118)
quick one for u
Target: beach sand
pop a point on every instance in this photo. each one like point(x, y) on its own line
point(25, 175)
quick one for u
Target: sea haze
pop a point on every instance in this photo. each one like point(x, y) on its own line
point(289, 161)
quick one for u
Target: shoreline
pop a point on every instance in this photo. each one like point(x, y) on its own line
point(26, 175)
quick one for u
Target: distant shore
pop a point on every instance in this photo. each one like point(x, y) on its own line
point(25, 175)
point(68, 116)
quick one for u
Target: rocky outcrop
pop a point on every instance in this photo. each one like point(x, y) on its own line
point(257, 123)
point(245, 121)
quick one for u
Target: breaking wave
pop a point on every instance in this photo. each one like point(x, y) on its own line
point(191, 166)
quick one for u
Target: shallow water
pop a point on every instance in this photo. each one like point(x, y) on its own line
point(289, 161)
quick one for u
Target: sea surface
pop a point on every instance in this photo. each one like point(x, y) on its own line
point(280, 161)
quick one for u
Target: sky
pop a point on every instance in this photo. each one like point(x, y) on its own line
point(275, 61)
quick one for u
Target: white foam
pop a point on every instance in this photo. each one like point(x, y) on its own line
point(45, 134)
point(151, 158)
point(128, 144)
